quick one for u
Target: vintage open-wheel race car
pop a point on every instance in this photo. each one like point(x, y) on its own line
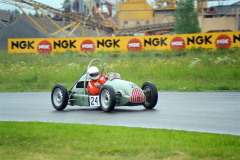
point(114, 92)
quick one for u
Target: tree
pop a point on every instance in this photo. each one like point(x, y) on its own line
point(35, 15)
point(30, 14)
point(16, 11)
point(186, 18)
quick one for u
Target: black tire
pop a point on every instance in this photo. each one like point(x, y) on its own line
point(107, 98)
point(151, 93)
point(59, 97)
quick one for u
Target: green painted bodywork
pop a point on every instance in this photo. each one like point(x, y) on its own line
point(80, 99)
point(79, 94)
point(122, 88)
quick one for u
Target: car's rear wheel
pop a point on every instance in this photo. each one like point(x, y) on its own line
point(59, 97)
point(107, 98)
point(151, 93)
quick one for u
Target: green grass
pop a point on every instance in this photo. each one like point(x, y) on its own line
point(198, 70)
point(32, 140)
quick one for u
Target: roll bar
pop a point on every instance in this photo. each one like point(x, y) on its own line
point(89, 67)
point(87, 74)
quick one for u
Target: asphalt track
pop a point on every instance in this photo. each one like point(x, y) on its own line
point(213, 112)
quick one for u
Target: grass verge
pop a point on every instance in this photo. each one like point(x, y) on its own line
point(32, 140)
point(196, 70)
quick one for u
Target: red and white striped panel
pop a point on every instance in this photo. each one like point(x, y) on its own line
point(137, 96)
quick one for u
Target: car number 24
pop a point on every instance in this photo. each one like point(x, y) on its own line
point(94, 101)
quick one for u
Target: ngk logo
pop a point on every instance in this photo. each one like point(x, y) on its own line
point(134, 45)
point(44, 47)
point(87, 46)
point(177, 43)
point(223, 41)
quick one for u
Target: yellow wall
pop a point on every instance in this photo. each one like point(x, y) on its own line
point(133, 15)
point(135, 6)
point(135, 1)
point(123, 44)
point(202, 4)
point(134, 10)
point(162, 18)
point(219, 23)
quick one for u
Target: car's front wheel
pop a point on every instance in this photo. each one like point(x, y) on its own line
point(107, 98)
point(151, 93)
point(59, 97)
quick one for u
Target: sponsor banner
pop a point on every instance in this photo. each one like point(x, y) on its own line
point(47, 46)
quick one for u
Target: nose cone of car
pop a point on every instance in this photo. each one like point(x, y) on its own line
point(137, 96)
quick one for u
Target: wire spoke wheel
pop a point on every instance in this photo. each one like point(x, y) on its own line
point(107, 98)
point(59, 97)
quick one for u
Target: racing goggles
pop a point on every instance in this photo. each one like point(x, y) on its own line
point(94, 74)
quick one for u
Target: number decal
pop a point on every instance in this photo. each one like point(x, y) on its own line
point(94, 101)
point(133, 85)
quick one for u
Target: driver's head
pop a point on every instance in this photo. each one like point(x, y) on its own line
point(93, 73)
